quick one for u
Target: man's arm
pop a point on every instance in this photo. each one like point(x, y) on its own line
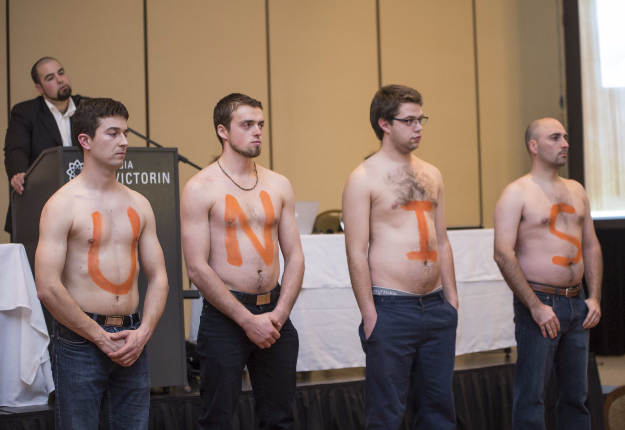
point(54, 228)
point(508, 213)
point(194, 216)
point(356, 214)
point(17, 147)
point(593, 267)
point(153, 263)
point(291, 247)
point(448, 275)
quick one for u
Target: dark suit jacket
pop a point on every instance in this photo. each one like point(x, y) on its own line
point(32, 129)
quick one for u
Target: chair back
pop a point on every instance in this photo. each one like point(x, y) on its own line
point(614, 410)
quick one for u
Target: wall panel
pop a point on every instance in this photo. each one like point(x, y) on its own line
point(429, 46)
point(4, 181)
point(519, 81)
point(100, 44)
point(323, 77)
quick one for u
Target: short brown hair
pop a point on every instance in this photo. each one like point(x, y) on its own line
point(34, 73)
point(222, 114)
point(386, 104)
point(86, 119)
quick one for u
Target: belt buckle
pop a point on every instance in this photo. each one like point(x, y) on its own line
point(572, 290)
point(114, 321)
point(263, 299)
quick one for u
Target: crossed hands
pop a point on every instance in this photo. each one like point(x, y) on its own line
point(549, 324)
point(263, 329)
point(124, 347)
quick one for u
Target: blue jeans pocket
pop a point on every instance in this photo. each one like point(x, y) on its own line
point(68, 337)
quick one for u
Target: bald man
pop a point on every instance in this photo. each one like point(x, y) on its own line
point(544, 243)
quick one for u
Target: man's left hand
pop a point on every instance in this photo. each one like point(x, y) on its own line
point(129, 353)
point(594, 313)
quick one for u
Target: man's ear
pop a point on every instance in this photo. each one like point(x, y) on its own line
point(222, 132)
point(384, 125)
point(39, 88)
point(533, 145)
point(85, 141)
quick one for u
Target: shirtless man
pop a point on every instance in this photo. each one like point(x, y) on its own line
point(86, 270)
point(234, 214)
point(402, 271)
point(544, 236)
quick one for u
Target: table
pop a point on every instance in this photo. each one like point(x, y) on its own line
point(25, 369)
point(326, 314)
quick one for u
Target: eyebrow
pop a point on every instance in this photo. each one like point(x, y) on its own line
point(118, 129)
point(559, 134)
point(52, 74)
point(251, 120)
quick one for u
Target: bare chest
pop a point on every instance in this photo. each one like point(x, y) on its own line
point(260, 210)
point(105, 227)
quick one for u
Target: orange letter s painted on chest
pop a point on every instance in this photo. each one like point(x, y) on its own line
point(94, 258)
point(233, 210)
point(564, 261)
point(420, 208)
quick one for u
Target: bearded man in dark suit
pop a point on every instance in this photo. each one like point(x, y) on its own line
point(38, 124)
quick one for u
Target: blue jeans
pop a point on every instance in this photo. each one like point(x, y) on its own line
point(90, 386)
point(224, 349)
point(567, 354)
point(413, 344)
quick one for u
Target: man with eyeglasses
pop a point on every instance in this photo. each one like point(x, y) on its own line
point(545, 242)
point(402, 271)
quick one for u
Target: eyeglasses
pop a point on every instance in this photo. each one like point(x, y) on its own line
point(410, 122)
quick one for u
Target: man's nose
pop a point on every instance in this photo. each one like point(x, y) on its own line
point(124, 141)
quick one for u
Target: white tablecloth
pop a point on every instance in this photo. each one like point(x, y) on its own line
point(25, 372)
point(327, 317)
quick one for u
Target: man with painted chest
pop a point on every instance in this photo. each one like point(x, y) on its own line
point(234, 214)
point(92, 232)
point(544, 242)
point(401, 268)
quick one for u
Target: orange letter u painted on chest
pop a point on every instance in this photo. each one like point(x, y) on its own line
point(233, 210)
point(564, 261)
point(94, 257)
point(420, 208)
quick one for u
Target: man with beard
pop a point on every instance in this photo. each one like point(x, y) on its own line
point(233, 215)
point(40, 123)
point(544, 244)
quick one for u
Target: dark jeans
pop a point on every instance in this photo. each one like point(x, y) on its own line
point(90, 386)
point(567, 353)
point(224, 349)
point(412, 345)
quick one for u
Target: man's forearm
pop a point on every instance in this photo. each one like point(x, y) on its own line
point(513, 275)
point(154, 304)
point(291, 285)
point(448, 274)
point(593, 268)
point(360, 276)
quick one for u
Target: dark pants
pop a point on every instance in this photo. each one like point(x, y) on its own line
point(90, 387)
point(536, 356)
point(224, 349)
point(412, 345)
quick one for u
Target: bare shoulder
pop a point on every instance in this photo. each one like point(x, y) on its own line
point(427, 168)
point(202, 187)
point(140, 200)
point(274, 179)
point(519, 188)
point(574, 186)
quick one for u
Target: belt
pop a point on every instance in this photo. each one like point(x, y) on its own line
point(562, 291)
point(258, 299)
point(115, 320)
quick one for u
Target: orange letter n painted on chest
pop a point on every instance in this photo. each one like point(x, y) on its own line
point(564, 261)
point(233, 210)
point(420, 208)
point(94, 257)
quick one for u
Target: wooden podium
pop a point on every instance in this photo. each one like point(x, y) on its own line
point(153, 172)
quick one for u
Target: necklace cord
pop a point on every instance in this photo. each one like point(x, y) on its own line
point(244, 189)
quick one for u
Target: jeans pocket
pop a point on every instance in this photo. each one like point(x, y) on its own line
point(68, 337)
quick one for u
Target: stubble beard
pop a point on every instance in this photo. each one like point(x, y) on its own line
point(252, 152)
point(63, 94)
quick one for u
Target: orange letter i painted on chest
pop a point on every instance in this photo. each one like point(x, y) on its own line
point(233, 210)
point(420, 208)
point(94, 258)
point(564, 261)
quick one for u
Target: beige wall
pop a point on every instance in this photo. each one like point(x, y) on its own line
point(324, 72)
point(4, 181)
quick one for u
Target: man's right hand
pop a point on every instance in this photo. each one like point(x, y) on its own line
point(369, 324)
point(17, 182)
point(261, 329)
point(546, 320)
point(108, 345)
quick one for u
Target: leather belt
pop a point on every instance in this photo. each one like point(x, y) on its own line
point(115, 320)
point(562, 291)
point(258, 299)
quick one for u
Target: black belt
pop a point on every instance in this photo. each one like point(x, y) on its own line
point(115, 320)
point(258, 299)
